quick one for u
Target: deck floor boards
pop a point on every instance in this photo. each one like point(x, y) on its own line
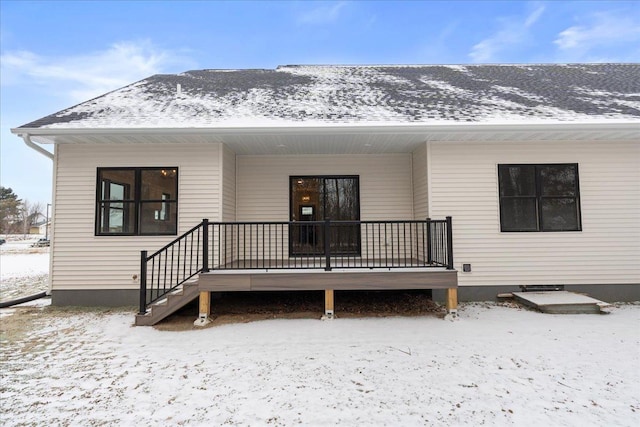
point(274, 275)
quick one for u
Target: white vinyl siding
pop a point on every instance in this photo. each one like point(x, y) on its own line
point(81, 260)
point(264, 187)
point(606, 251)
point(229, 185)
point(420, 185)
point(385, 183)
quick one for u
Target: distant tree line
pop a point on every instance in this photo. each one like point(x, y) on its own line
point(17, 215)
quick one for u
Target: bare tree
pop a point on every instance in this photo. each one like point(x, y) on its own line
point(29, 214)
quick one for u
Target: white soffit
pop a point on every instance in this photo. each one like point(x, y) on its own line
point(339, 140)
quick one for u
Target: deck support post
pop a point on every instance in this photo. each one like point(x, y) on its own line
point(204, 310)
point(452, 301)
point(328, 304)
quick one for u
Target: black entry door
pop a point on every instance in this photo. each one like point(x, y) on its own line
point(316, 198)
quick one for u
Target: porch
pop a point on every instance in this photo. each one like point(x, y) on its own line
point(290, 256)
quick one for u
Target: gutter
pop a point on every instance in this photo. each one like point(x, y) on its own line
point(27, 140)
point(593, 126)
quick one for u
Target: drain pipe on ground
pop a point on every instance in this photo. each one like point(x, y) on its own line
point(22, 300)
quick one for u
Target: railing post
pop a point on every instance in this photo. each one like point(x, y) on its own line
point(205, 245)
point(449, 244)
point(429, 255)
point(327, 246)
point(143, 282)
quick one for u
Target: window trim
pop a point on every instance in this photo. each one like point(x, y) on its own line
point(135, 199)
point(291, 186)
point(538, 197)
point(292, 178)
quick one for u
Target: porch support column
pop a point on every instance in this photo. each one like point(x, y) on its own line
point(452, 301)
point(204, 310)
point(328, 304)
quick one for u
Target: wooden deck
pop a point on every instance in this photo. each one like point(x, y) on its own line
point(259, 256)
point(336, 279)
point(251, 280)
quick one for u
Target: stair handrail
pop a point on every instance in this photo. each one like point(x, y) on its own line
point(198, 235)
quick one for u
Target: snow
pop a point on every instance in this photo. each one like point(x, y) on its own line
point(23, 270)
point(358, 95)
point(557, 297)
point(498, 364)
point(519, 92)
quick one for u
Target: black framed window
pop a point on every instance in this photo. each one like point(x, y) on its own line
point(316, 198)
point(137, 201)
point(539, 197)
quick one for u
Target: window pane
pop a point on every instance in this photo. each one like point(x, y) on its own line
point(158, 182)
point(559, 214)
point(116, 191)
point(117, 184)
point(517, 180)
point(518, 214)
point(342, 205)
point(151, 221)
point(341, 199)
point(558, 180)
point(116, 218)
point(306, 199)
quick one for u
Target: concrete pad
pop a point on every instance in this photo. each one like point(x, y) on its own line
point(561, 302)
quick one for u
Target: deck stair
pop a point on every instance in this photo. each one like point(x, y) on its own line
point(168, 305)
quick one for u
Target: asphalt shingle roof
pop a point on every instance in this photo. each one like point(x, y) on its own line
point(365, 95)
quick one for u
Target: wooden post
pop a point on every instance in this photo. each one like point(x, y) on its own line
point(452, 301)
point(328, 304)
point(204, 310)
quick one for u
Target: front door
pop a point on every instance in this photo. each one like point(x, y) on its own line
point(316, 198)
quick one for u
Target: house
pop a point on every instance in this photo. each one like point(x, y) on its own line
point(468, 180)
point(41, 227)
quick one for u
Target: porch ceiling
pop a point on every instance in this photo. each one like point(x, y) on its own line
point(342, 140)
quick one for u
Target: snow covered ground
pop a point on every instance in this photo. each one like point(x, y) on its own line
point(23, 270)
point(499, 364)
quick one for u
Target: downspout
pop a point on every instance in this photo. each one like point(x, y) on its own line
point(27, 140)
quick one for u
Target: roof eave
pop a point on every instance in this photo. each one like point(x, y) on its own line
point(342, 129)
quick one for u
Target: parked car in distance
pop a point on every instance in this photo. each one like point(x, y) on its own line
point(3, 241)
point(41, 243)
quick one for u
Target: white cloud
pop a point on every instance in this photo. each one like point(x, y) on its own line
point(600, 30)
point(88, 75)
point(513, 32)
point(322, 15)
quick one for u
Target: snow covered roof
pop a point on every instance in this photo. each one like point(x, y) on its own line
point(365, 95)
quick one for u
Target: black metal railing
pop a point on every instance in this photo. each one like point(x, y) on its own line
point(174, 264)
point(294, 245)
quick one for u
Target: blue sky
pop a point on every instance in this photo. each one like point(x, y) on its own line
point(57, 54)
